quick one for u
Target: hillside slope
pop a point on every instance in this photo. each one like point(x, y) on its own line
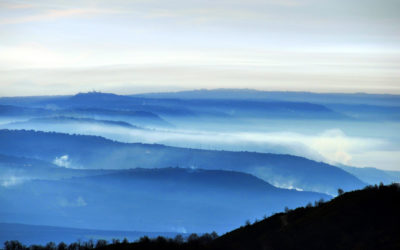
point(167, 199)
point(15, 170)
point(94, 152)
point(364, 219)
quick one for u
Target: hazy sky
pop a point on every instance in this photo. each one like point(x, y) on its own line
point(63, 47)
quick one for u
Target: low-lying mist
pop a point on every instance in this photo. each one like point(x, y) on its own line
point(332, 145)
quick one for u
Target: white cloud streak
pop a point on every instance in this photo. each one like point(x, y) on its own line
point(11, 180)
point(194, 44)
point(52, 15)
point(62, 161)
point(329, 145)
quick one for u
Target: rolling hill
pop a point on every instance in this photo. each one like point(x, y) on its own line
point(94, 152)
point(163, 200)
point(15, 170)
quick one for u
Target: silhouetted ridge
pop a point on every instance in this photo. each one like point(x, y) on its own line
point(97, 96)
point(363, 219)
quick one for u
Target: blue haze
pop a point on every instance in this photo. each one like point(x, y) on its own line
point(194, 161)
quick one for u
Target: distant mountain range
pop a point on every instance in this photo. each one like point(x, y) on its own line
point(351, 98)
point(91, 152)
point(88, 115)
point(227, 102)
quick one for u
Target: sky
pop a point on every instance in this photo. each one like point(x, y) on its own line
point(63, 47)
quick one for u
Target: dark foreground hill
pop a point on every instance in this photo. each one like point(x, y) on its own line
point(364, 219)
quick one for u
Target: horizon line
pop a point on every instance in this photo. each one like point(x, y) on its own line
point(205, 89)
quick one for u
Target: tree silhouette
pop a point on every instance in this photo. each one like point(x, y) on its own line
point(51, 246)
point(62, 246)
point(101, 243)
point(13, 245)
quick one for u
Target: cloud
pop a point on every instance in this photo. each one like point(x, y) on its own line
point(62, 161)
point(336, 146)
point(332, 145)
point(284, 184)
point(32, 69)
point(16, 5)
point(8, 181)
point(54, 14)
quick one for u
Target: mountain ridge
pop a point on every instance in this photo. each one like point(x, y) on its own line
point(148, 200)
point(287, 170)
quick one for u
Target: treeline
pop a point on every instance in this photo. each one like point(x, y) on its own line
point(193, 241)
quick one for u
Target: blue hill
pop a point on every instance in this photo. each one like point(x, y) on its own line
point(94, 152)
